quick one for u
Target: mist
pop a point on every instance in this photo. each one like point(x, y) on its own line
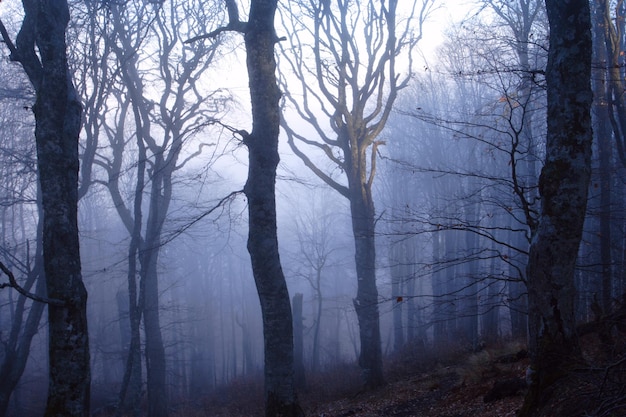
point(408, 199)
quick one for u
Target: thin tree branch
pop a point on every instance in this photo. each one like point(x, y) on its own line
point(13, 284)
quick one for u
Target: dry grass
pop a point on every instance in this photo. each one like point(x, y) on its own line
point(446, 382)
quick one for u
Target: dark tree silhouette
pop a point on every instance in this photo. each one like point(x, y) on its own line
point(260, 189)
point(355, 80)
point(41, 50)
point(563, 188)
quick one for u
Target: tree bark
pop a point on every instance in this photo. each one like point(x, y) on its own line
point(563, 187)
point(262, 142)
point(603, 133)
point(366, 301)
point(148, 256)
point(57, 114)
point(41, 50)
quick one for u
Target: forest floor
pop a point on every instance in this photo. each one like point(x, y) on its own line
point(452, 383)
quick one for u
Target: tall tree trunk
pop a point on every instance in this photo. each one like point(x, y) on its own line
point(603, 133)
point(149, 255)
point(440, 330)
point(563, 188)
point(412, 319)
point(130, 392)
point(315, 355)
point(470, 296)
point(262, 142)
point(57, 112)
point(452, 285)
point(397, 270)
point(298, 342)
point(366, 301)
point(40, 48)
point(516, 288)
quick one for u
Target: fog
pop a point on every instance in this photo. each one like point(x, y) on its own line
point(455, 197)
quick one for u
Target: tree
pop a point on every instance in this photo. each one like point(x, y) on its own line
point(41, 50)
point(472, 194)
point(354, 80)
point(162, 131)
point(521, 18)
point(315, 252)
point(563, 188)
point(20, 202)
point(260, 189)
point(609, 124)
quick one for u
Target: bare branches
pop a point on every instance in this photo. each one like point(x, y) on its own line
point(7, 40)
point(15, 285)
point(292, 136)
point(344, 57)
point(234, 24)
point(220, 204)
point(23, 50)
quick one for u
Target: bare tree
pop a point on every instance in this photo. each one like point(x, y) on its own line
point(483, 106)
point(41, 50)
point(260, 189)
point(163, 133)
point(353, 80)
point(563, 186)
point(314, 254)
point(20, 234)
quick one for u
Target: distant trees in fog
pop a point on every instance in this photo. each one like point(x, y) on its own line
point(437, 159)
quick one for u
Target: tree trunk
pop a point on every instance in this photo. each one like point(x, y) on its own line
point(412, 312)
point(398, 277)
point(563, 188)
point(262, 142)
point(470, 292)
point(298, 343)
point(315, 355)
point(57, 112)
point(130, 392)
point(149, 254)
point(366, 301)
point(603, 133)
point(440, 330)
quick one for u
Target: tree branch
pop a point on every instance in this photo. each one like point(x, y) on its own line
point(13, 284)
point(7, 40)
point(185, 227)
point(234, 24)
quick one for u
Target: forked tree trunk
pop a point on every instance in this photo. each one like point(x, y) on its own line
point(563, 187)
